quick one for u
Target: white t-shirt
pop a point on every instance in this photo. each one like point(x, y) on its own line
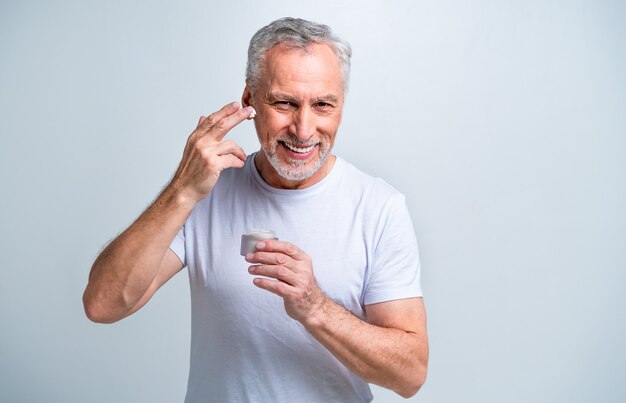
point(244, 346)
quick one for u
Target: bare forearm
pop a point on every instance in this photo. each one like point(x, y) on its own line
point(127, 272)
point(389, 357)
point(123, 272)
point(390, 351)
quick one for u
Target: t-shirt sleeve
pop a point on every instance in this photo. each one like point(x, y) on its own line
point(395, 269)
point(178, 245)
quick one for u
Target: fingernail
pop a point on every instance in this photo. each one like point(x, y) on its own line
point(260, 245)
point(251, 269)
point(235, 105)
point(248, 256)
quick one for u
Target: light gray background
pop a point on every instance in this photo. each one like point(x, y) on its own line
point(503, 123)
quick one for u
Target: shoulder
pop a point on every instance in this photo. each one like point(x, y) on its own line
point(354, 181)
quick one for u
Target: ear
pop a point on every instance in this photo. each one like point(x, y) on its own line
point(246, 97)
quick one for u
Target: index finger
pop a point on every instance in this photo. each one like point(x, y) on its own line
point(286, 248)
point(205, 123)
point(223, 126)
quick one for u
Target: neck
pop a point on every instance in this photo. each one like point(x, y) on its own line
point(272, 178)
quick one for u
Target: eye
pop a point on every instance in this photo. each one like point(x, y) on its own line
point(323, 105)
point(284, 105)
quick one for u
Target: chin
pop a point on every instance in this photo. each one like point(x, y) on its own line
point(296, 170)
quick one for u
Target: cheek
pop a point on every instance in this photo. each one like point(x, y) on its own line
point(264, 129)
point(274, 123)
point(329, 128)
point(278, 119)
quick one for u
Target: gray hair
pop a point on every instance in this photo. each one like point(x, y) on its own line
point(296, 33)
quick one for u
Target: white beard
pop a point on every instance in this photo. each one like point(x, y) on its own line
point(296, 170)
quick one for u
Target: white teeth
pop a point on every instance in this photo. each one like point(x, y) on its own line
point(298, 149)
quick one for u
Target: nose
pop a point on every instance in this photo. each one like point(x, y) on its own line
point(303, 124)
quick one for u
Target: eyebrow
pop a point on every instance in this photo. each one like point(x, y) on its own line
point(284, 97)
point(326, 98)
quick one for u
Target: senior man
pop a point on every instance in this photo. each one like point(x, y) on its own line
point(313, 317)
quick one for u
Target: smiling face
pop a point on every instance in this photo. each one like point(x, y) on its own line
point(299, 101)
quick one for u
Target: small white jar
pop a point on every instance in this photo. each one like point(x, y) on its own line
point(250, 239)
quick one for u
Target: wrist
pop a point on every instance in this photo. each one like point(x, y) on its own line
point(178, 196)
point(318, 317)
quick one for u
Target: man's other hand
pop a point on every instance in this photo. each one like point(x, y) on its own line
point(206, 155)
point(290, 276)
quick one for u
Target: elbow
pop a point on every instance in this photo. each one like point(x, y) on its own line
point(409, 391)
point(95, 312)
point(97, 316)
point(413, 385)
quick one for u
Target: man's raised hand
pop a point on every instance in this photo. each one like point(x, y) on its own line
point(206, 155)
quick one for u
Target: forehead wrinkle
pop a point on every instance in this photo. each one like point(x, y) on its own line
point(315, 70)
